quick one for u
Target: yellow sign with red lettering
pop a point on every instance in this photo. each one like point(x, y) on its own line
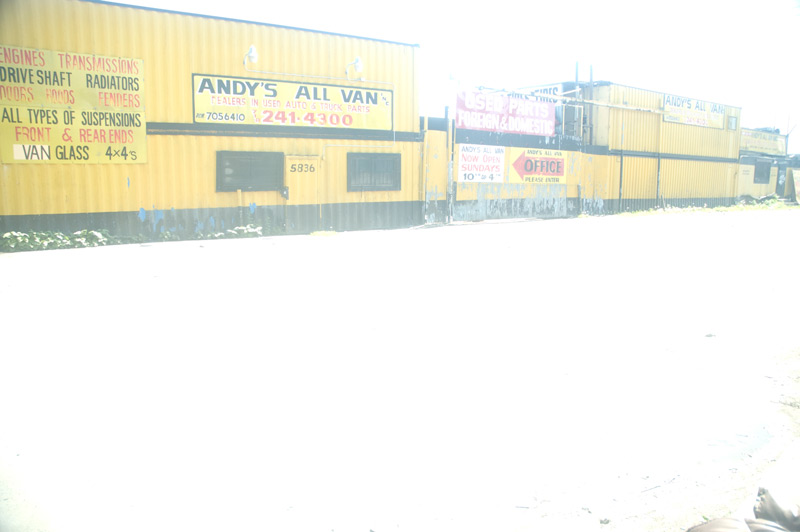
point(680, 110)
point(245, 101)
point(63, 107)
point(538, 167)
point(762, 142)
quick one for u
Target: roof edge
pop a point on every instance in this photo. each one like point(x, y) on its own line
point(242, 21)
point(624, 86)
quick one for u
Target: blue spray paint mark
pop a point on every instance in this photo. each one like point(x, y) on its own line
point(157, 217)
point(129, 182)
point(252, 208)
point(142, 214)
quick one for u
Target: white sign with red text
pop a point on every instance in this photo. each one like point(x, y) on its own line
point(481, 164)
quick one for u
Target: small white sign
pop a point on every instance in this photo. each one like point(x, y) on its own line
point(481, 164)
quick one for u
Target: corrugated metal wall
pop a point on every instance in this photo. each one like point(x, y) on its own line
point(660, 162)
point(633, 130)
point(173, 46)
point(192, 161)
point(644, 130)
point(636, 159)
point(436, 159)
point(698, 183)
point(595, 181)
point(645, 186)
point(747, 187)
point(639, 183)
point(180, 171)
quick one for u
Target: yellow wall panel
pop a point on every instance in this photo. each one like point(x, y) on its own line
point(633, 120)
point(182, 175)
point(697, 179)
point(597, 178)
point(633, 129)
point(639, 178)
point(746, 186)
point(173, 46)
point(435, 165)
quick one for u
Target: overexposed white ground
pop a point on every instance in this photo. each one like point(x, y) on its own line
point(615, 373)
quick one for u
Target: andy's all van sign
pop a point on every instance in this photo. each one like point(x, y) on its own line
point(226, 100)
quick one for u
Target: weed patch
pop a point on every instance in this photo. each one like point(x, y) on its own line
point(43, 240)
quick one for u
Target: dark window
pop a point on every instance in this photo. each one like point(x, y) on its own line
point(573, 120)
point(761, 175)
point(373, 171)
point(437, 124)
point(249, 170)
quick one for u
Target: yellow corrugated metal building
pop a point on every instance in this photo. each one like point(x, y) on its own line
point(145, 121)
point(622, 148)
point(761, 164)
point(665, 149)
point(142, 120)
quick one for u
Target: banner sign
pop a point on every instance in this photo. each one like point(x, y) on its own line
point(680, 110)
point(61, 107)
point(762, 142)
point(481, 164)
point(226, 100)
point(505, 112)
point(539, 167)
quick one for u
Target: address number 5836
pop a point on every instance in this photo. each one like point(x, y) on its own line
point(302, 167)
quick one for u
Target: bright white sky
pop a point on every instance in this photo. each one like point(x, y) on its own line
point(742, 54)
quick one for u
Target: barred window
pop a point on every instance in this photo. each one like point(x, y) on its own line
point(373, 171)
point(249, 170)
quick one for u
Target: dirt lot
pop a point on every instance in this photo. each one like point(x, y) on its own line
point(628, 373)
